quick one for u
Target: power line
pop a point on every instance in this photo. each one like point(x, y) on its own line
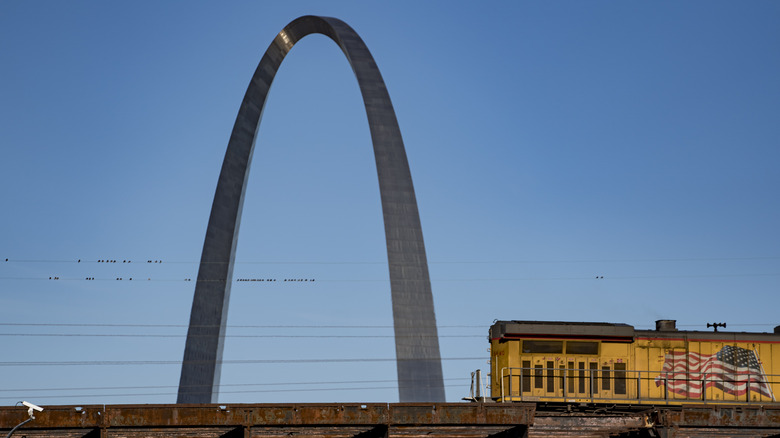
point(223, 385)
point(231, 361)
point(179, 336)
point(280, 327)
point(144, 335)
point(384, 280)
point(159, 261)
point(27, 324)
point(222, 392)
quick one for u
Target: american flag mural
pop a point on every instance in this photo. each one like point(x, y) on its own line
point(732, 369)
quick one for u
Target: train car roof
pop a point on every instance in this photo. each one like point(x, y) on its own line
point(561, 329)
point(618, 332)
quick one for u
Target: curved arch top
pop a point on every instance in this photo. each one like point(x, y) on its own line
point(416, 339)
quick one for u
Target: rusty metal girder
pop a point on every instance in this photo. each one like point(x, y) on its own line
point(382, 420)
point(722, 416)
point(272, 420)
point(704, 421)
point(596, 425)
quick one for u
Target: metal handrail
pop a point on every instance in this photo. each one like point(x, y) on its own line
point(659, 377)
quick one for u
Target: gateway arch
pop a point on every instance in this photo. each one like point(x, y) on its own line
point(416, 339)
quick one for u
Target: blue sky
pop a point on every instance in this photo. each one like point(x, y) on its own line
point(550, 143)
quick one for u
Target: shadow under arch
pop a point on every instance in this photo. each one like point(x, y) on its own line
point(416, 339)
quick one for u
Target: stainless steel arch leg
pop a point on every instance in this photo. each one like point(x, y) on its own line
point(417, 345)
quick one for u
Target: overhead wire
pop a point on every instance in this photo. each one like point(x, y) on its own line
point(270, 279)
point(277, 280)
point(144, 335)
point(254, 391)
point(160, 261)
point(221, 385)
point(316, 326)
point(288, 336)
point(298, 326)
point(224, 361)
point(383, 280)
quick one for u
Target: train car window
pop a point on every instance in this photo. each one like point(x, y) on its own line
point(571, 376)
point(594, 376)
point(542, 346)
point(550, 376)
point(580, 347)
point(562, 378)
point(581, 380)
point(538, 376)
point(526, 372)
point(605, 378)
point(620, 378)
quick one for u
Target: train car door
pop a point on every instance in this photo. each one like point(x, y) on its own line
point(582, 364)
point(617, 377)
point(541, 364)
point(578, 376)
point(545, 377)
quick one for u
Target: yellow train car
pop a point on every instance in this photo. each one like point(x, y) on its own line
point(579, 362)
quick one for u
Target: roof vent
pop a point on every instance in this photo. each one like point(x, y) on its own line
point(666, 325)
point(777, 329)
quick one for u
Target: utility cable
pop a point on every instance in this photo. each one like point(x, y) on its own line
point(256, 391)
point(229, 361)
point(160, 261)
point(27, 324)
point(384, 280)
point(222, 385)
point(313, 326)
point(142, 335)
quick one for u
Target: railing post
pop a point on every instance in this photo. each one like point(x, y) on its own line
point(704, 389)
point(502, 385)
point(591, 386)
point(638, 385)
point(521, 383)
point(510, 384)
point(666, 389)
